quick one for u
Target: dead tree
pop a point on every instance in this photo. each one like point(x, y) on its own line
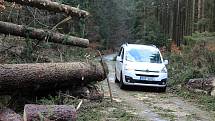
point(40, 34)
point(46, 77)
point(49, 113)
point(52, 6)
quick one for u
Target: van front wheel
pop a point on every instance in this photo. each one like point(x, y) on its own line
point(162, 89)
point(121, 84)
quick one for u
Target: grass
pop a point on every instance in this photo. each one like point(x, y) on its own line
point(95, 111)
point(106, 110)
point(196, 60)
point(169, 116)
point(205, 101)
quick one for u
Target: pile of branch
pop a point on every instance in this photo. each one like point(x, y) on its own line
point(47, 77)
point(40, 34)
point(206, 85)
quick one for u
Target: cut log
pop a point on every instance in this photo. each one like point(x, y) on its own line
point(46, 77)
point(206, 85)
point(49, 113)
point(40, 34)
point(9, 115)
point(52, 6)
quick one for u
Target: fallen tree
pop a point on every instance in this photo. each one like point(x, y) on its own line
point(40, 34)
point(46, 77)
point(49, 113)
point(9, 115)
point(206, 85)
point(52, 6)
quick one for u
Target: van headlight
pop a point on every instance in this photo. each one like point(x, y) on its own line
point(164, 70)
point(129, 68)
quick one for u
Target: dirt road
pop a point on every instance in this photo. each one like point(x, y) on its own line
point(154, 106)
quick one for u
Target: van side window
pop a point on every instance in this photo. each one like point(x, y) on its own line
point(122, 54)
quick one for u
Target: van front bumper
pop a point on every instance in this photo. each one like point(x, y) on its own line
point(137, 82)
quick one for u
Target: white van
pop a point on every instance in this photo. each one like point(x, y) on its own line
point(141, 65)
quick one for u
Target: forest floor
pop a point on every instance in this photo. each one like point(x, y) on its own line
point(150, 105)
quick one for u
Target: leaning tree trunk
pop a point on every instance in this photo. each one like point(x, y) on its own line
point(9, 115)
point(49, 113)
point(47, 77)
point(40, 34)
point(52, 6)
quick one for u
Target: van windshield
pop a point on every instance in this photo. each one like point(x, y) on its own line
point(143, 55)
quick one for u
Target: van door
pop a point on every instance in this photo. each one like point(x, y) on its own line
point(119, 62)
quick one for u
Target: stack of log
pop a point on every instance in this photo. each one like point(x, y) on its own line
point(34, 112)
point(46, 77)
point(205, 85)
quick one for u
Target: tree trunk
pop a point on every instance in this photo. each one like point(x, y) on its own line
point(206, 85)
point(47, 77)
point(40, 34)
point(49, 113)
point(9, 115)
point(52, 6)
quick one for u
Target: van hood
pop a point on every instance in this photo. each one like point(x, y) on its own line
point(145, 66)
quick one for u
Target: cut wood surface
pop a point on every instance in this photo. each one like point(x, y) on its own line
point(49, 113)
point(40, 34)
point(52, 6)
point(205, 84)
point(47, 76)
point(9, 115)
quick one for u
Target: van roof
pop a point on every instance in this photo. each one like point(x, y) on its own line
point(151, 47)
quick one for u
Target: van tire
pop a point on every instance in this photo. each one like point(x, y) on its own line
point(116, 80)
point(162, 89)
point(121, 84)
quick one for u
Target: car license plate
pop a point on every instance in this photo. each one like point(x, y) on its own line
point(146, 78)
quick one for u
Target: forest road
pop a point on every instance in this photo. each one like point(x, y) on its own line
point(151, 105)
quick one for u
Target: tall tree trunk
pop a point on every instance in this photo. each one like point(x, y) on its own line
point(199, 14)
point(194, 16)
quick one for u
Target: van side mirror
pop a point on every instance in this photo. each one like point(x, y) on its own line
point(166, 62)
point(118, 58)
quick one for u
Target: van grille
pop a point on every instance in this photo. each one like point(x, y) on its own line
point(147, 71)
point(147, 75)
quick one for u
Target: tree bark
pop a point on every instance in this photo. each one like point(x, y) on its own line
point(40, 34)
point(47, 77)
point(52, 6)
point(9, 115)
point(207, 85)
point(2, 7)
point(49, 113)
